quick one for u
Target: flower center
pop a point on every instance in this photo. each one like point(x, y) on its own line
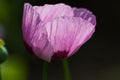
point(60, 54)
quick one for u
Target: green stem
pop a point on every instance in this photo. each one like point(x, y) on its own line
point(0, 73)
point(66, 69)
point(44, 72)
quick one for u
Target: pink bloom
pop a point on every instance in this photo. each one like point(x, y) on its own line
point(56, 31)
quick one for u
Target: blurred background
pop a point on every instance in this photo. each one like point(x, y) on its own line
point(98, 59)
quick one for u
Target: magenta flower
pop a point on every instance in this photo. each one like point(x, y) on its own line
point(56, 31)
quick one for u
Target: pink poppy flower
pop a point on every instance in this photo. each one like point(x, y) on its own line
point(56, 31)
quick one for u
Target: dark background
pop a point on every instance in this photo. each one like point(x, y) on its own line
point(97, 59)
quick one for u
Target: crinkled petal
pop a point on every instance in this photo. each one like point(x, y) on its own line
point(50, 12)
point(30, 21)
point(41, 45)
point(85, 14)
point(67, 34)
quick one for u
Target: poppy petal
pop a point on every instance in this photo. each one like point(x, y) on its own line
point(49, 12)
point(68, 33)
point(40, 44)
point(30, 21)
point(85, 14)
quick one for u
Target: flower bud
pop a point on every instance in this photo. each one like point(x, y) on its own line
point(3, 52)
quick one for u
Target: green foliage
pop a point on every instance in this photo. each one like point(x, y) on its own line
point(14, 68)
